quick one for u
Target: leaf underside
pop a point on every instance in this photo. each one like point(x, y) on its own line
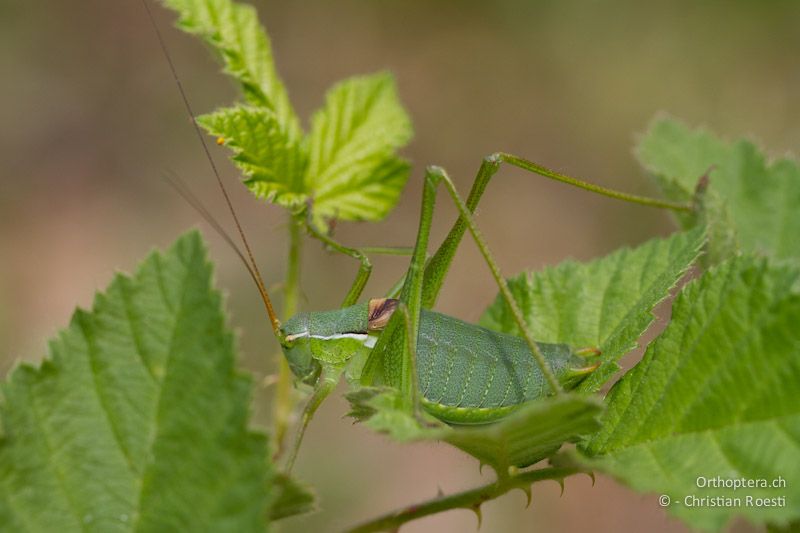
point(533, 432)
point(605, 303)
point(137, 420)
point(714, 395)
point(752, 203)
point(291, 498)
point(536, 431)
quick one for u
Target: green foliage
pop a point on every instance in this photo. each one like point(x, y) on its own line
point(751, 203)
point(533, 432)
point(383, 410)
point(353, 173)
point(714, 395)
point(291, 498)
point(273, 166)
point(792, 527)
point(233, 32)
point(605, 303)
point(138, 418)
point(346, 168)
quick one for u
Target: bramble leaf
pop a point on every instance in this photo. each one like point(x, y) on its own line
point(273, 165)
point(353, 172)
point(292, 498)
point(752, 202)
point(233, 31)
point(533, 432)
point(605, 303)
point(383, 410)
point(347, 166)
point(137, 421)
point(715, 396)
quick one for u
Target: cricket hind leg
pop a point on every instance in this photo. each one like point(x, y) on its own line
point(425, 276)
point(439, 263)
point(433, 177)
point(422, 283)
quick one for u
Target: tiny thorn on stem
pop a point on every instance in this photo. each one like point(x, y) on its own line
point(477, 510)
point(701, 187)
point(470, 499)
point(703, 181)
point(528, 495)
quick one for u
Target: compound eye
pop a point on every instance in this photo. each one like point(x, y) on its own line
point(289, 339)
point(380, 311)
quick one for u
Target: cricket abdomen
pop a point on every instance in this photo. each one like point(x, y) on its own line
point(469, 374)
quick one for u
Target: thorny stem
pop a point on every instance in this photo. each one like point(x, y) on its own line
point(284, 398)
point(470, 499)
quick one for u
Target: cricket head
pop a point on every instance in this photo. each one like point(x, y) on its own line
point(294, 336)
point(310, 340)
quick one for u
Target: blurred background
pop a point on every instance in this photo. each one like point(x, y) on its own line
point(91, 120)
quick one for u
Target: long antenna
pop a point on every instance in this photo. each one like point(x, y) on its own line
point(252, 267)
point(174, 181)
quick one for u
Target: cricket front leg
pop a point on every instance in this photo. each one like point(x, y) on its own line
point(328, 379)
point(393, 359)
point(411, 299)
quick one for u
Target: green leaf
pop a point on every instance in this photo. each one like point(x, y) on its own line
point(383, 410)
point(291, 499)
point(233, 31)
point(758, 200)
point(715, 395)
point(138, 418)
point(605, 303)
point(353, 172)
point(535, 431)
point(793, 527)
point(273, 165)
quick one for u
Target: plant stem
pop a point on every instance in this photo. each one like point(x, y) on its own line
point(284, 399)
point(470, 499)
